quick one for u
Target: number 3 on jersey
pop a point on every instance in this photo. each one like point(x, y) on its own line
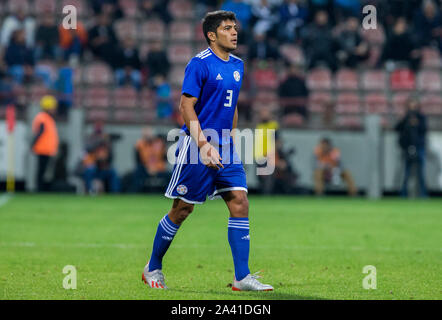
point(229, 98)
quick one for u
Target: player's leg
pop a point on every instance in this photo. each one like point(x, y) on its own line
point(239, 240)
point(238, 231)
point(166, 230)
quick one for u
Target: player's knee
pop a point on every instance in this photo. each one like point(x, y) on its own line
point(241, 206)
point(183, 212)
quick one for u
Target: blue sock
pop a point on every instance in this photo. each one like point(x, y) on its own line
point(165, 232)
point(239, 240)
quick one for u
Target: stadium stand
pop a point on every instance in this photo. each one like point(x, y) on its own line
point(368, 88)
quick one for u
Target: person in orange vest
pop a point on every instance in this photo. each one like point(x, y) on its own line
point(45, 141)
point(329, 168)
point(150, 155)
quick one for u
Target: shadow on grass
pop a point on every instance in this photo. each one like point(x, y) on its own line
point(274, 295)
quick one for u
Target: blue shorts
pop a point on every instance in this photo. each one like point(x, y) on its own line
point(192, 181)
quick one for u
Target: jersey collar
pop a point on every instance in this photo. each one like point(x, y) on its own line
point(218, 56)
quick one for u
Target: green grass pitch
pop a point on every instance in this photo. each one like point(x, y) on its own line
point(307, 248)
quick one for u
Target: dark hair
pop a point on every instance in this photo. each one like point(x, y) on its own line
point(213, 19)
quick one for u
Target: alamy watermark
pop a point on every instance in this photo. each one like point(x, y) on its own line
point(256, 146)
point(70, 281)
point(369, 281)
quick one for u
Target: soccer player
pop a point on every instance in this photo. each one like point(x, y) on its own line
point(208, 105)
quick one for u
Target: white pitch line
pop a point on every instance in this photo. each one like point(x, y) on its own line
point(4, 199)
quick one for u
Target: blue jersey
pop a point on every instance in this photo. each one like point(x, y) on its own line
point(216, 84)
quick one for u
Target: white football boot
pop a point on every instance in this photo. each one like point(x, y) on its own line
point(250, 283)
point(154, 279)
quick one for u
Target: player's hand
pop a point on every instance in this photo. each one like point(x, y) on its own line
point(210, 157)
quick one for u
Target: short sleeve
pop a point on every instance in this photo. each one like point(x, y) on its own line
point(194, 78)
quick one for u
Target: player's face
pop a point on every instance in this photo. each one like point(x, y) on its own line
point(227, 35)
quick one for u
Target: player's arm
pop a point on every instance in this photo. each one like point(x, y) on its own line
point(209, 154)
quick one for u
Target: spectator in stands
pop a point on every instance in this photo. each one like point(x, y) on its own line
point(45, 139)
point(20, 61)
point(128, 64)
point(293, 92)
point(285, 175)
point(262, 49)
point(242, 10)
point(103, 40)
point(47, 39)
point(157, 61)
point(352, 48)
point(157, 8)
point(19, 58)
point(64, 85)
point(163, 97)
point(292, 17)
point(265, 149)
point(264, 17)
point(314, 6)
point(329, 168)
point(98, 173)
point(412, 129)
point(318, 42)
point(346, 8)
point(73, 41)
point(401, 46)
point(18, 21)
point(150, 156)
point(109, 7)
point(428, 23)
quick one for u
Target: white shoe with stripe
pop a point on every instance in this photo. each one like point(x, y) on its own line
point(154, 279)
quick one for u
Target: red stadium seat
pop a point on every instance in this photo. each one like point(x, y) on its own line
point(402, 79)
point(176, 75)
point(374, 80)
point(147, 100)
point(152, 29)
point(126, 28)
point(431, 58)
point(351, 122)
point(181, 30)
point(179, 53)
point(78, 97)
point(147, 116)
point(376, 103)
point(129, 7)
point(265, 78)
point(346, 80)
point(431, 104)
point(125, 97)
point(96, 115)
point(97, 97)
point(36, 92)
point(398, 102)
point(317, 100)
point(199, 34)
point(42, 6)
point(292, 53)
point(348, 103)
point(293, 120)
point(125, 116)
point(429, 81)
point(319, 79)
point(98, 73)
point(181, 9)
point(78, 75)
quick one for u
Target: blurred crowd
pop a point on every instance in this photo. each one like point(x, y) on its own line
point(328, 32)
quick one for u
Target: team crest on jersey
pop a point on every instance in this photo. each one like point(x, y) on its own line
point(236, 75)
point(181, 189)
